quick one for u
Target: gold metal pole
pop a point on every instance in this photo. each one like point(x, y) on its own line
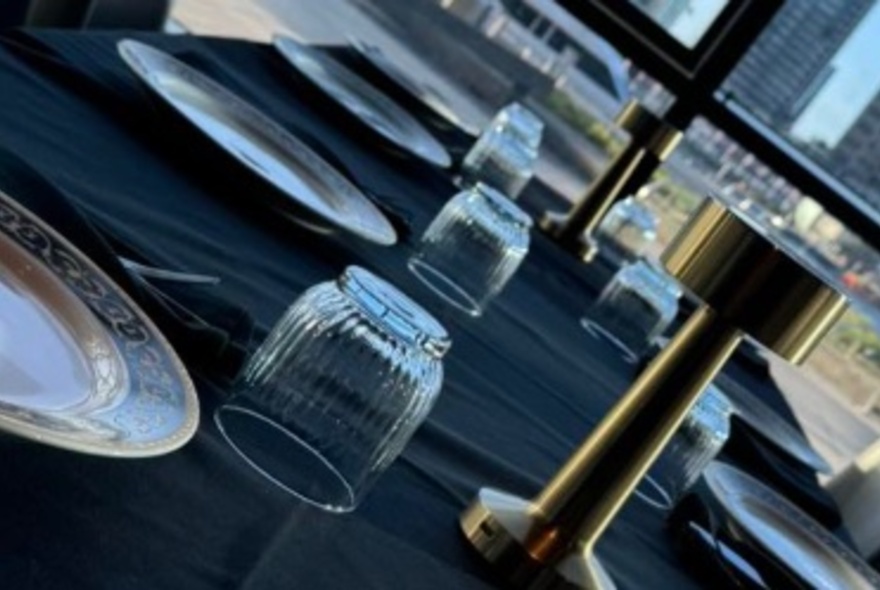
point(748, 285)
point(652, 141)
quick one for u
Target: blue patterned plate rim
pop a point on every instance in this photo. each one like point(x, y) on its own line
point(141, 401)
point(794, 540)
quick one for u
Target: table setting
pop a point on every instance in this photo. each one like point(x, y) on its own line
point(327, 337)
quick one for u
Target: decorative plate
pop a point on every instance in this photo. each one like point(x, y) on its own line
point(785, 534)
point(418, 88)
point(365, 102)
point(315, 193)
point(83, 367)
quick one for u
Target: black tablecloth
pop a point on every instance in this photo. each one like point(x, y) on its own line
point(523, 384)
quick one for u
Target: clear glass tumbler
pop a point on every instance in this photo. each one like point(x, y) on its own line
point(337, 389)
point(499, 160)
point(522, 123)
point(696, 443)
point(505, 154)
point(638, 305)
point(472, 248)
point(630, 228)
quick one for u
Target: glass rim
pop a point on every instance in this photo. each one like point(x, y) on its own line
point(502, 204)
point(445, 287)
point(654, 494)
point(241, 451)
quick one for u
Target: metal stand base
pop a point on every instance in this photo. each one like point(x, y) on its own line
point(497, 525)
point(552, 223)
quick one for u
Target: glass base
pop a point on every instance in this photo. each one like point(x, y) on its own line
point(653, 494)
point(600, 333)
point(284, 458)
point(444, 287)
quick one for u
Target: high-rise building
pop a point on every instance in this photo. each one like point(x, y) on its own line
point(791, 60)
point(854, 158)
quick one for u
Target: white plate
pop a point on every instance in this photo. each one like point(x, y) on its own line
point(793, 540)
point(364, 101)
point(83, 368)
point(417, 87)
point(315, 192)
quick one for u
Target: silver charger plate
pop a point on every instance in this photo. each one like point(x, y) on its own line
point(781, 531)
point(83, 368)
point(365, 102)
point(414, 85)
point(770, 425)
point(316, 193)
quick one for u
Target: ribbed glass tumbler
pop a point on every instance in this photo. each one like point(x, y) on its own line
point(472, 248)
point(695, 444)
point(335, 392)
point(499, 160)
point(634, 309)
point(523, 123)
point(505, 154)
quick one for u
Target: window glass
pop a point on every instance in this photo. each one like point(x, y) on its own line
point(686, 20)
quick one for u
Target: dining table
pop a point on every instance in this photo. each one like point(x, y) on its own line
point(88, 148)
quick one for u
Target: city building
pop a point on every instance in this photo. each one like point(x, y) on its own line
point(791, 60)
point(854, 158)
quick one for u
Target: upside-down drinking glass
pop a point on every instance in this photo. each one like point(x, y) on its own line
point(504, 155)
point(630, 228)
point(337, 389)
point(524, 124)
point(636, 307)
point(695, 444)
point(472, 248)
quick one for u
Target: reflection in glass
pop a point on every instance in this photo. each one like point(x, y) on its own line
point(686, 20)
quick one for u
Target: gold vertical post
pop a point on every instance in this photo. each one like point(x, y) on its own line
point(652, 140)
point(747, 285)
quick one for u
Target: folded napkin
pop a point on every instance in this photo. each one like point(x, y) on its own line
point(707, 552)
point(761, 457)
point(209, 334)
point(776, 468)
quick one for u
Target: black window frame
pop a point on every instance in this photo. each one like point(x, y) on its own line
point(695, 75)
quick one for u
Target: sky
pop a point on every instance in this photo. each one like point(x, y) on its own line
point(691, 25)
point(849, 89)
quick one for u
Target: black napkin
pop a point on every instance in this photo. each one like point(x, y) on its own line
point(207, 333)
point(789, 476)
point(699, 515)
point(718, 557)
point(795, 480)
point(707, 552)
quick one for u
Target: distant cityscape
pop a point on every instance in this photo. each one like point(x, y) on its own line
point(777, 81)
point(787, 68)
